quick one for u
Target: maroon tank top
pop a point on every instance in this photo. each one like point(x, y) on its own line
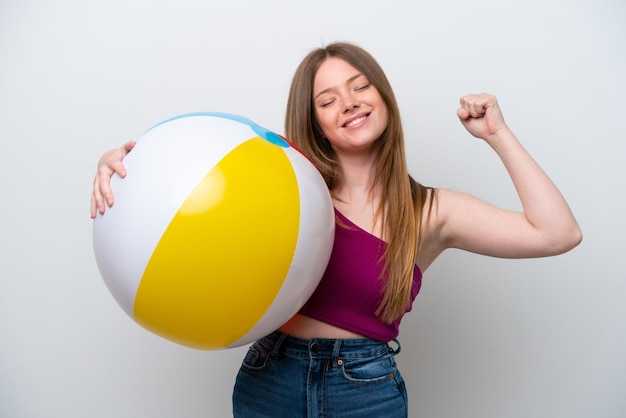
point(350, 290)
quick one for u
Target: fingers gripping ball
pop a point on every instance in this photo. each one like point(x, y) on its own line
point(219, 234)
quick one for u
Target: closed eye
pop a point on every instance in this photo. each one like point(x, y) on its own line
point(326, 103)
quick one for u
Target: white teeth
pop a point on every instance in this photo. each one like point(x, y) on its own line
point(355, 121)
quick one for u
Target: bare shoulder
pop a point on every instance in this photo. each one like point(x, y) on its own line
point(442, 206)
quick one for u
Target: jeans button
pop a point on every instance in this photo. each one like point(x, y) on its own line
point(315, 347)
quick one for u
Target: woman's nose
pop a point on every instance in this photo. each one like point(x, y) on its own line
point(350, 104)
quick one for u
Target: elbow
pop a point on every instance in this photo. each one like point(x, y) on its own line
point(578, 236)
point(566, 240)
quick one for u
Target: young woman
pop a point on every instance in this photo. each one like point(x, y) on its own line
point(334, 357)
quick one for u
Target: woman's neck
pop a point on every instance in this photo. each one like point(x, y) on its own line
point(356, 197)
point(357, 176)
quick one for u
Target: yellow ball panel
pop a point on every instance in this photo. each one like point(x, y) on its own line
point(224, 256)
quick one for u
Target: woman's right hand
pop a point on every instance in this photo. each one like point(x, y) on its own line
point(110, 163)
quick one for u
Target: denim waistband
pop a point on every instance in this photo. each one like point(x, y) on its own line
point(282, 343)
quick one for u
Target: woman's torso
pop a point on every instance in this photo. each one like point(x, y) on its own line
point(302, 326)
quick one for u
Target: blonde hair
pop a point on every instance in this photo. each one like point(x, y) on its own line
point(404, 199)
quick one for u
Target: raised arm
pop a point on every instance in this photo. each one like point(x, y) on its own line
point(109, 163)
point(545, 227)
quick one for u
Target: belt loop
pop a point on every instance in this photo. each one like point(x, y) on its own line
point(282, 337)
point(397, 349)
point(336, 350)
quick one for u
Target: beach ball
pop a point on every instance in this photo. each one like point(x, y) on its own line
point(220, 231)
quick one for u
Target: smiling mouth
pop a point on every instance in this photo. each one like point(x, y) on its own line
point(356, 121)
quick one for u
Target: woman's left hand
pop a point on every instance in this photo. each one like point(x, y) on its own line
point(480, 114)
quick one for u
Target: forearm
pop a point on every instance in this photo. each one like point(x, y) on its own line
point(544, 206)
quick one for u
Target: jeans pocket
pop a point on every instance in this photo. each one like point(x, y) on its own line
point(369, 371)
point(257, 357)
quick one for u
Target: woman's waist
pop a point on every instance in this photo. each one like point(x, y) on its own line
point(284, 344)
point(305, 327)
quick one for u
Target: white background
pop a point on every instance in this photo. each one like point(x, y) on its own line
point(487, 338)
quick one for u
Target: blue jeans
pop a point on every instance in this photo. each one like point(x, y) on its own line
point(283, 376)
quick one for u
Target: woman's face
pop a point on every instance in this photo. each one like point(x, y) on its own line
point(349, 109)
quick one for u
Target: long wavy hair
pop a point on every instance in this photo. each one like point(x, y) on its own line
point(403, 198)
